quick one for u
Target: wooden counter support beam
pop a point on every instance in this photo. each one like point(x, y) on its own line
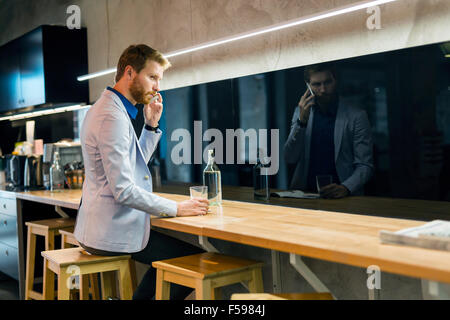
point(206, 245)
point(433, 290)
point(276, 272)
point(60, 211)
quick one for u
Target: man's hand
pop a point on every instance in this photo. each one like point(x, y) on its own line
point(305, 104)
point(334, 191)
point(153, 112)
point(192, 207)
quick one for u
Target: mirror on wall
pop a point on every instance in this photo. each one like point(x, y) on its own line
point(403, 130)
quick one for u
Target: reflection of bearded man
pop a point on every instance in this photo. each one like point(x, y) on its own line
point(328, 137)
point(138, 93)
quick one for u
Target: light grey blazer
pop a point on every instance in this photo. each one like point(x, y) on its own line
point(117, 191)
point(353, 148)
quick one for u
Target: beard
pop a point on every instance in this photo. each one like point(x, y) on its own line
point(327, 99)
point(139, 94)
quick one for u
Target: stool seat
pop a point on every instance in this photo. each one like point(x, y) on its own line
point(90, 282)
point(50, 224)
point(206, 265)
point(78, 256)
point(63, 262)
point(282, 296)
point(206, 273)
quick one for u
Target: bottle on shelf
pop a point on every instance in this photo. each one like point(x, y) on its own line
point(260, 177)
point(211, 179)
point(56, 174)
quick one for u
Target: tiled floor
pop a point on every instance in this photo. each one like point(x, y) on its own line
point(9, 288)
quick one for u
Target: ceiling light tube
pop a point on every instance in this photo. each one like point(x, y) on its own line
point(96, 74)
point(33, 114)
point(279, 26)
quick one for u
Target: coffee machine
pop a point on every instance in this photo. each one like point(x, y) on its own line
point(33, 178)
point(15, 166)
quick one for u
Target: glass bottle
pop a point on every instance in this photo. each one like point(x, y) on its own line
point(211, 179)
point(260, 177)
point(56, 174)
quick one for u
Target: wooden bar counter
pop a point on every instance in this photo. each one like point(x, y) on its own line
point(345, 238)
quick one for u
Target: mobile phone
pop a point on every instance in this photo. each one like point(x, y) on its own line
point(309, 88)
point(155, 97)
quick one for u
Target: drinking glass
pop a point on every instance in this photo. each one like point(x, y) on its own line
point(199, 192)
point(322, 181)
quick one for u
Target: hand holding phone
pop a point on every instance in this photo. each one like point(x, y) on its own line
point(305, 104)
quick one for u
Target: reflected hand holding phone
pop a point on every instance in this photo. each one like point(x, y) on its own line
point(310, 90)
point(305, 104)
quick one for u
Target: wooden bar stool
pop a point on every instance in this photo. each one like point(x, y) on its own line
point(282, 296)
point(88, 282)
point(68, 239)
point(49, 230)
point(206, 273)
point(76, 261)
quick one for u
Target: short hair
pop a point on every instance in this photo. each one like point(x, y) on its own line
point(137, 57)
point(327, 66)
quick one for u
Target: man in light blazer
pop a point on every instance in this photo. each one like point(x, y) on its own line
point(117, 198)
point(328, 137)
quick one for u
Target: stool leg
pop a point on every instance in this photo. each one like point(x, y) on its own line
point(256, 284)
point(31, 255)
point(63, 284)
point(84, 287)
point(93, 280)
point(162, 287)
point(203, 290)
point(133, 275)
point(49, 277)
point(108, 284)
point(125, 282)
point(216, 294)
point(63, 242)
point(49, 288)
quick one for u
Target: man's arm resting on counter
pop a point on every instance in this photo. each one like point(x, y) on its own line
point(113, 143)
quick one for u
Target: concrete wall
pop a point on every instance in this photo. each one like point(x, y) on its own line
point(174, 24)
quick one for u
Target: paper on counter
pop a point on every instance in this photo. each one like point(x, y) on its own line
point(437, 228)
point(295, 194)
point(432, 235)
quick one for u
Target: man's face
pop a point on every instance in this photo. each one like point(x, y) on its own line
point(146, 83)
point(323, 85)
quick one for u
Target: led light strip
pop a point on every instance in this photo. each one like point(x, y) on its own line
point(33, 114)
point(291, 23)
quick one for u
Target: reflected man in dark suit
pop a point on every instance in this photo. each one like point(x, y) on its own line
point(328, 137)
